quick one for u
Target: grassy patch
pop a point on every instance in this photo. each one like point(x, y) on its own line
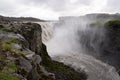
point(12, 40)
point(114, 23)
point(7, 47)
point(60, 67)
point(10, 67)
point(55, 65)
point(8, 70)
point(7, 76)
point(94, 24)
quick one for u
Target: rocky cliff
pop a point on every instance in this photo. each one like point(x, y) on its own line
point(108, 46)
point(23, 56)
point(111, 46)
point(102, 40)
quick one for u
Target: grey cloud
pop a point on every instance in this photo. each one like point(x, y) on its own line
point(7, 7)
point(57, 5)
point(85, 2)
point(113, 6)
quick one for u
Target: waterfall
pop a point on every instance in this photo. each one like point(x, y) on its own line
point(47, 30)
point(76, 44)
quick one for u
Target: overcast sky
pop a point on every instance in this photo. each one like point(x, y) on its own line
point(52, 9)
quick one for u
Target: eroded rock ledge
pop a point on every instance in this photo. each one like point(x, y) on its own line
point(23, 56)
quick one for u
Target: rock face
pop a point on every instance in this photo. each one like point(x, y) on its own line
point(33, 36)
point(102, 40)
point(23, 56)
point(111, 47)
point(109, 44)
point(19, 62)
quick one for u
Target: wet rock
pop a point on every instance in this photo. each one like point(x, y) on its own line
point(25, 64)
point(32, 33)
point(36, 59)
point(33, 75)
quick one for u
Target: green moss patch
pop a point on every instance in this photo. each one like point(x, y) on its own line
point(94, 24)
point(8, 70)
point(114, 23)
point(12, 40)
point(7, 47)
point(8, 76)
point(10, 67)
point(65, 70)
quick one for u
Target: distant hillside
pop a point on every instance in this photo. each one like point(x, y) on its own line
point(103, 16)
point(93, 16)
point(19, 19)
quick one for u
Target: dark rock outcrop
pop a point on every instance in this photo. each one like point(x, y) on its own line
point(111, 48)
point(32, 33)
point(102, 40)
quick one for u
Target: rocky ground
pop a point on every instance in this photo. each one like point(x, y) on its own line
point(23, 56)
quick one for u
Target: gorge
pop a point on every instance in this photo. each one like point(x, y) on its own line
point(90, 42)
point(72, 48)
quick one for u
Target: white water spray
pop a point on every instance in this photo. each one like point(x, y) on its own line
point(69, 36)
